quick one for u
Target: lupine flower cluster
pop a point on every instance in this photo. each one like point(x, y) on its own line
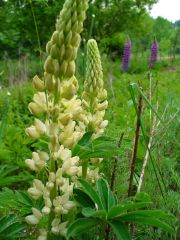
point(61, 119)
point(154, 53)
point(126, 55)
point(94, 95)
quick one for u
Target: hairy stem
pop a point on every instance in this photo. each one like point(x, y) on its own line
point(52, 196)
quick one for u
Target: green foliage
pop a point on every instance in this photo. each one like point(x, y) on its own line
point(11, 227)
point(26, 27)
point(8, 177)
point(107, 210)
point(18, 201)
point(18, 31)
point(102, 147)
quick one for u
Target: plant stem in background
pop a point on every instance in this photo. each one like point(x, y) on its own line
point(37, 33)
point(152, 133)
point(115, 161)
point(107, 232)
point(135, 148)
point(153, 126)
point(110, 83)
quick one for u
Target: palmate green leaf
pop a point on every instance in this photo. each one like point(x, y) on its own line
point(142, 197)
point(88, 189)
point(101, 147)
point(134, 217)
point(90, 212)
point(14, 231)
point(19, 201)
point(81, 225)
point(42, 143)
point(103, 189)
point(120, 209)
point(84, 145)
point(104, 150)
point(7, 170)
point(82, 198)
point(11, 227)
point(120, 229)
point(154, 213)
point(85, 140)
point(24, 199)
point(112, 199)
point(7, 198)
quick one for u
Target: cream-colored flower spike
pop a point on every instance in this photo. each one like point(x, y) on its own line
point(62, 123)
point(94, 95)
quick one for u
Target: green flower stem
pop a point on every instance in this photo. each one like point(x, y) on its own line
point(52, 196)
point(84, 169)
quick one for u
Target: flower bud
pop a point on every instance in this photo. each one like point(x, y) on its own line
point(40, 126)
point(43, 156)
point(31, 164)
point(38, 84)
point(34, 109)
point(46, 210)
point(37, 213)
point(104, 124)
point(102, 106)
point(50, 83)
point(70, 71)
point(32, 220)
point(55, 37)
point(49, 46)
point(48, 66)
point(65, 118)
point(32, 132)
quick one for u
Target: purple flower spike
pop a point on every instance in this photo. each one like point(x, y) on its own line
point(126, 55)
point(154, 53)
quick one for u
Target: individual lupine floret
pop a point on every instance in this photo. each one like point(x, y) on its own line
point(62, 204)
point(58, 227)
point(38, 84)
point(126, 55)
point(154, 53)
point(94, 95)
point(35, 217)
point(39, 104)
point(37, 130)
point(37, 190)
point(38, 160)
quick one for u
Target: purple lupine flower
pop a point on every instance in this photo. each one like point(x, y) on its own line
point(126, 55)
point(154, 53)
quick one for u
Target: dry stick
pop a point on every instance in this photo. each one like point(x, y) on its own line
point(135, 148)
point(152, 133)
point(115, 158)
